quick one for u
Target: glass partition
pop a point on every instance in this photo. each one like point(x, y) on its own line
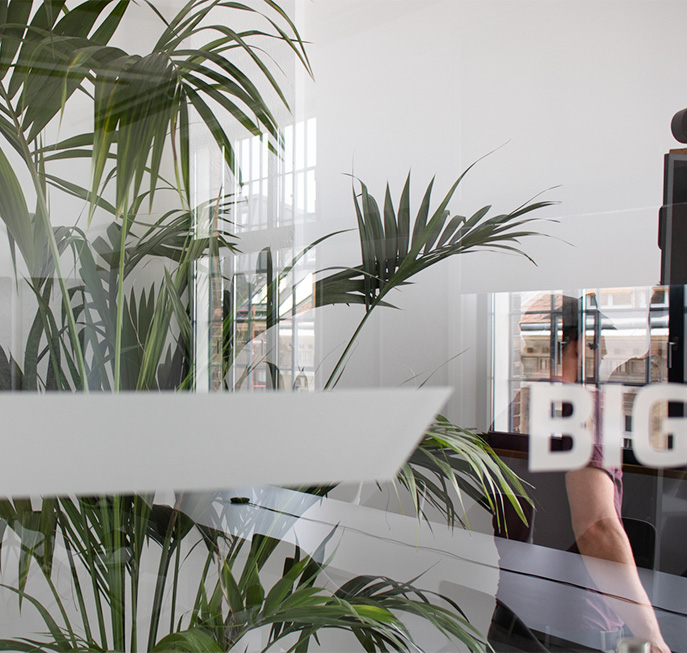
point(214, 212)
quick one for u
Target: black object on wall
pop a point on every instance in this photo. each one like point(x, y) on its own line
point(672, 239)
point(678, 126)
point(672, 220)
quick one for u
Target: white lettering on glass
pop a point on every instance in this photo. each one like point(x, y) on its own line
point(612, 425)
point(648, 397)
point(545, 423)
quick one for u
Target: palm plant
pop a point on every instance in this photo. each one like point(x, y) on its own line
point(450, 460)
point(101, 331)
point(394, 251)
point(231, 597)
point(141, 106)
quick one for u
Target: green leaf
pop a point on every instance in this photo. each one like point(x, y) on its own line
point(374, 233)
point(11, 376)
point(43, 20)
point(233, 593)
point(421, 218)
point(404, 221)
point(14, 212)
point(56, 632)
point(16, 14)
point(195, 640)
point(215, 128)
point(390, 236)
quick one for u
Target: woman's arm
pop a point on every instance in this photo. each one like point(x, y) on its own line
point(600, 536)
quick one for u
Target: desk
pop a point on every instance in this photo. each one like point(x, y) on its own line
point(462, 564)
point(561, 577)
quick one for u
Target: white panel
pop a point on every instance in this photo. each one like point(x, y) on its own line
point(64, 443)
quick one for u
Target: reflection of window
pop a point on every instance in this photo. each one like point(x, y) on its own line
point(275, 191)
point(625, 334)
point(282, 356)
point(253, 188)
point(273, 194)
point(298, 187)
point(617, 297)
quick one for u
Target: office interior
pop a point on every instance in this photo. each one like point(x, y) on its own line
point(566, 103)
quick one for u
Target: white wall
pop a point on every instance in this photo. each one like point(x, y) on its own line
point(579, 95)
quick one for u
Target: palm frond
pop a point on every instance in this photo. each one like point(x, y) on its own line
point(393, 252)
point(451, 461)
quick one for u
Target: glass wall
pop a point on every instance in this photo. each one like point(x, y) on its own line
point(216, 211)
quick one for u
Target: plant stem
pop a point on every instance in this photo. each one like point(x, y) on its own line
point(141, 517)
point(193, 620)
point(120, 300)
point(175, 582)
point(77, 583)
point(117, 586)
point(163, 570)
point(334, 376)
point(97, 594)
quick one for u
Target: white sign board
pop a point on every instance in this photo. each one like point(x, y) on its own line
point(62, 443)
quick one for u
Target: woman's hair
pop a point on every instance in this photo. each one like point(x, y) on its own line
point(571, 313)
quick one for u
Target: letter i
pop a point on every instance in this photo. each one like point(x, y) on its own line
point(612, 424)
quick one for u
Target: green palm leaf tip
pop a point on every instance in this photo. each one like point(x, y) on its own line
point(450, 462)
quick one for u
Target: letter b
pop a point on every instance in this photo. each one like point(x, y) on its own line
point(543, 424)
